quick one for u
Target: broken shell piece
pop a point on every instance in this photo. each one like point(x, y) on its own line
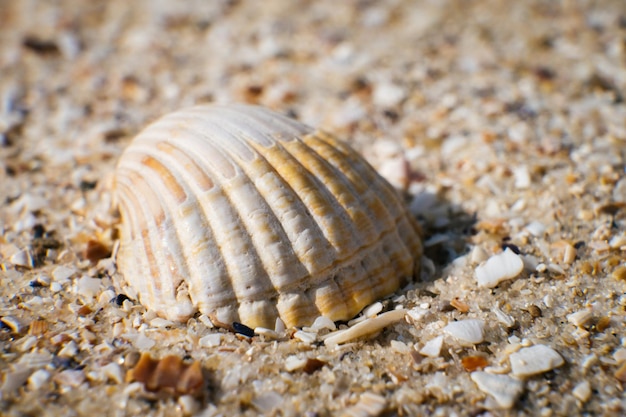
point(247, 215)
point(322, 322)
point(563, 251)
point(582, 391)
point(369, 405)
point(364, 328)
point(468, 331)
point(503, 318)
point(473, 362)
point(504, 389)
point(169, 373)
point(38, 379)
point(432, 348)
point(535, 360)
point(12, 323)
point(498, 268)
point(22, 258)
point(96, 250)
point(580, 318)
point(210, 340)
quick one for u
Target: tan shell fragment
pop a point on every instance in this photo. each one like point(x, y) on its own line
point(247, 215)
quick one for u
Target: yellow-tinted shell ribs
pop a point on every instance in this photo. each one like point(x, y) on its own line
point(247, 215)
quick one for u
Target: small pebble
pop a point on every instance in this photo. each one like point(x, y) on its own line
point(62, 273)
point(536, 228)
point(12, 323)
point(211, 340)
point(143, 342)
point(478, 255)
point(188, 404)
point(22, 258)
point(161, 322)
point(617, 242)
point(620, 373)
point(267, 402)
point(243, 329)
point(504, 389)
point(38, 379)
point(416, 314)
point(588, 361)
point(582, 391)
point(312, 365)
point(293, 363)
point(399, 347)
point(70, 378)
point(498, 268)
point(535, 360)
point(87, 286)
point(580, 318)
point(369, 405)
point(470, 331)
point(619, 274)
point(69, 350)
point(56, 287)
point(503, 318)
point(14, 378)
point(113, 372)
point(106, 296)
point(522, 177)
point(474, 363)
point(120, 298)
point(534, 311)
point(388, 94)
point(620, 355)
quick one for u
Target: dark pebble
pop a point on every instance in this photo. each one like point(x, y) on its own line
point(119, 300)
point(243, 329)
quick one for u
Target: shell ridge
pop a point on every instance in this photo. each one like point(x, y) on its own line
point(229, 131)
point(164, 262)
point(127, 205)
point(209, 127)
point(376, 209)
point(204, 265)
point(319, 200)
point(238, 194)
point(278, 127)
point(231, 234)
point(342, 189)
point(367, 172)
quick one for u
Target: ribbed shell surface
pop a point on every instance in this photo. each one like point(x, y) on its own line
point(247, 215)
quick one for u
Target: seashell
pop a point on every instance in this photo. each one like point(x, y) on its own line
point(247, 215)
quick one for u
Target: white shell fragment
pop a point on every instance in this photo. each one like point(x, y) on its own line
point(469, 331)
point(22, 258)
point(248, 216)
point(369, 405)
point(504, 389)
point(364, 328)
point(535, 360)
point(580, 318)
point(582, 391)
point(432, 348)
point(498, 268)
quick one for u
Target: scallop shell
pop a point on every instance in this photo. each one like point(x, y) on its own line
point(247, 215)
